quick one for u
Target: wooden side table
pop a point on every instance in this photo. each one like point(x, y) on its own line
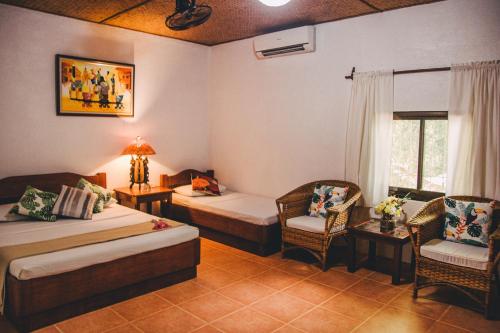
point(370, 230)
point(136, 197)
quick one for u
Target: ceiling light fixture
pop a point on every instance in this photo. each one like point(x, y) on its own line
point(274, 3)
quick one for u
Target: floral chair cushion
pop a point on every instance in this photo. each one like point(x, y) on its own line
point(325, 197)
point(467, 222)
point(36, 204)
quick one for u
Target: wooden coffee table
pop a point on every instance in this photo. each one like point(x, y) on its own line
point(370, 230)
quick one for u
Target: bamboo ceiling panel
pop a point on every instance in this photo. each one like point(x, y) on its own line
point(231, 19)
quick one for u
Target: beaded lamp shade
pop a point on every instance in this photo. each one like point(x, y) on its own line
point(139, 149)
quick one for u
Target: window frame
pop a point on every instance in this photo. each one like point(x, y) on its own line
point(418, 193)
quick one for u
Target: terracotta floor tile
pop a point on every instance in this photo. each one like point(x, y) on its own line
point(216, 278)
point(140, 306)
point(440, 327)
point(219, 258)
point(420, 305)
point(273, 260)
point(245, 267)
point(336, 279)
point(352, 305)
point(288, 329)
point(247, 321)
point(96, 321)
point(312, 291)
point(470, 320)
point(363, 272)
point(283, 306)
point(390, 320)
point(240, 253)
point(299, 268)
point(387, 279)
point(375, 290)
point(171, 320)
point(246, 291)
point(182, 292)
point(321, 320)
point(211, 307)
point(207, 329)
point(124, 329)
point(48, 329)
point(276, 279)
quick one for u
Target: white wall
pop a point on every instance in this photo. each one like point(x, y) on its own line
point(170, 101)
point(281, 122)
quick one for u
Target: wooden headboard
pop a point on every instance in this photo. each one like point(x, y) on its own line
point(12, 188)
point(183, 177)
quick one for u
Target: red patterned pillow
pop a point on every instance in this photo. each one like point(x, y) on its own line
point(205, 184)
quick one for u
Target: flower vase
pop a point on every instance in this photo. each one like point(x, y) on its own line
point(387, 223)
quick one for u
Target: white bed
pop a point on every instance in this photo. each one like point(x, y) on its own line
point(12, 233)
point(250, 208)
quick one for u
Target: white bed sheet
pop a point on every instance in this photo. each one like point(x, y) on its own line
point(246, 207)
point(21, 232)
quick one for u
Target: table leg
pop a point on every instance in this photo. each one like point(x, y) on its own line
point(372, 253)
point(412, 266)
point(396, 264)
point(149, 205)
point(351, 267)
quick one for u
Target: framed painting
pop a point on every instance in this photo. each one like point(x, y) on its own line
point(90, 87)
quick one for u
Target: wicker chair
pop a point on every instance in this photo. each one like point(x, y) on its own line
point(427, 224)
point(296, 203)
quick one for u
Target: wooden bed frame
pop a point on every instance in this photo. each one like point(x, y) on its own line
point(34, 303)
point(259, 239)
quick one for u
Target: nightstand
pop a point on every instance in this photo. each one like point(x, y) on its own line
point(136, 197)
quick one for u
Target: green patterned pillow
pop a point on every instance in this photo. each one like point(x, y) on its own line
point(103, 195)
point(36, 204)
point(467, 222)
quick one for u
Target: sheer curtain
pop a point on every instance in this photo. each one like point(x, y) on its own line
point(369, 134)
point(474, 130)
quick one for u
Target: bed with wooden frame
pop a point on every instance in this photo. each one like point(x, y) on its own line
point(38, 302)
point(259, 239)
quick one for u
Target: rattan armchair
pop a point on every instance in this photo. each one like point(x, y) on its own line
point(296, 203)
point(427, 224)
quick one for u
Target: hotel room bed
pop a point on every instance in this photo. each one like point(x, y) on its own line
point(50, 287)
point(245, 221)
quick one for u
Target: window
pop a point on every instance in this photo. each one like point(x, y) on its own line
point(419, 154)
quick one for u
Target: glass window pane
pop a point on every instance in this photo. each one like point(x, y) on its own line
point(435, 155)
point(404, 157)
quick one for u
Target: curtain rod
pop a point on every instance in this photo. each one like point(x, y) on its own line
point(408, 71)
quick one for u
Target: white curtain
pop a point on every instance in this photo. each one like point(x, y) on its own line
point(369, 134)
point(474, 130)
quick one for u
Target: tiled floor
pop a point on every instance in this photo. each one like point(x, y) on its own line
point(238, 292)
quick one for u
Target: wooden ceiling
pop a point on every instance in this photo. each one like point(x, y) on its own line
point(231, 19)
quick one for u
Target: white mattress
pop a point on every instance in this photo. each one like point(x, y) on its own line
point(21, 232)
point(456, 253)
point(246, 207)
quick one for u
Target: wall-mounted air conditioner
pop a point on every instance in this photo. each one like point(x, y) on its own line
point(286, 42)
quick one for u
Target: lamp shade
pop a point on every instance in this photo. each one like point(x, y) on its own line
point(142, 150)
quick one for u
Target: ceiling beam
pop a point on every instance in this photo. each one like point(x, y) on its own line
point(366, 2)
point(125, 11)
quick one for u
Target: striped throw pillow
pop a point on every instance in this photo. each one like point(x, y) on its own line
point(74, 202)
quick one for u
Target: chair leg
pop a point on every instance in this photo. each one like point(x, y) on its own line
point(324, 259)
point(415, 287)
point(487, 305)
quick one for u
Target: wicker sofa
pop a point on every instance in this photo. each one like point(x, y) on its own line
point(316, 240)
point(426, 227)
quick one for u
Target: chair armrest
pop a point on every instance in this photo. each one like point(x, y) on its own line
point(495, 236)
point(343, 210)
point(292, 197)
point(425, 224)
point(346, 205)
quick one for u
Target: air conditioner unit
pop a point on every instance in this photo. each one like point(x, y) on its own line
point(286, 42)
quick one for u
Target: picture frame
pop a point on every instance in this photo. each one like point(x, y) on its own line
point(92, 87)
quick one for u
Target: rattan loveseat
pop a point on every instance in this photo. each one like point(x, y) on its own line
point(296, 203)
point(427, 225)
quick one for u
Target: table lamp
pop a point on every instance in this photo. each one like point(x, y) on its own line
point(139, 173)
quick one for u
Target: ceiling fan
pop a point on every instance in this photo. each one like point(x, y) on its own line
point(187, 15)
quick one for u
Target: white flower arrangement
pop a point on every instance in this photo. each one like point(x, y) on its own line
point(390, 207)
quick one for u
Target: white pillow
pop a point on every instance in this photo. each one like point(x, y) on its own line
point(5, 216)
point(187, 190)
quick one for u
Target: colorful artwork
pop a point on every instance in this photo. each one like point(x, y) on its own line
point(87, 87)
